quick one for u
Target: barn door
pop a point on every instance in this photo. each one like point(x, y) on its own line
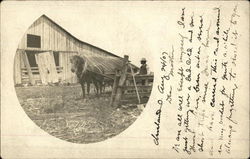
point(67, 75)
point(47, 67)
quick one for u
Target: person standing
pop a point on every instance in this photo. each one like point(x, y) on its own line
point(144, 70)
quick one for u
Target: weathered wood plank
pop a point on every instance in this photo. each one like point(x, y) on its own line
point(121, 82)
point(139, 77)
point(114, 90)
point(62, 64)
point(27, 64)
point(42, 68)
point(47, 67)
point(133, 95)
point(138, 86)
point(53, 71)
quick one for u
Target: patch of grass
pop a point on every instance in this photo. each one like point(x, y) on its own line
point(98, 122)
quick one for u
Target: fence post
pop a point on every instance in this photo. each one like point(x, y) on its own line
point(121, 81)
point(137, 93)
point(114, 88)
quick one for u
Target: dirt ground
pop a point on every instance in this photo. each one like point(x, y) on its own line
point(60, 111)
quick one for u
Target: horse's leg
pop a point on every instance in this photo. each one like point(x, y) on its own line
point(96, 86)
point(83, 89)
point(101, 85)
point(88, 87)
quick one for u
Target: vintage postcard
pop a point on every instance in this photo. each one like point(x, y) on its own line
point(124, 79)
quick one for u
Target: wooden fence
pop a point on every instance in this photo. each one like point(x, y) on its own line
point(139, 90)
point(36, 74)
point(129, 87)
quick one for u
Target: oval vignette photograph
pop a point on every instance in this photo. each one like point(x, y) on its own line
point(76, 90)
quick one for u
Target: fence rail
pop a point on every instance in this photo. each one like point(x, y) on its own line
point(35, 70)
point(129, 86)
point(36, 76)
point(144, 86)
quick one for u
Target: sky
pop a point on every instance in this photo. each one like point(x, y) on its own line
point(106, 27)
point(138, 29)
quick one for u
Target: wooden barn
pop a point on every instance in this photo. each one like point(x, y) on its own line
point(43, 55)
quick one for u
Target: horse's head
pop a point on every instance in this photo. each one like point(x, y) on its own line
point(78, 64)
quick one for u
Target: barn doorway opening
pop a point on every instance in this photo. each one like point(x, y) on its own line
point(32, 58)
point(31, 55)
point(56, 57)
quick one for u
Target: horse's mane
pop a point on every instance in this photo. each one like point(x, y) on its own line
point(87, 64)
point(79, 60)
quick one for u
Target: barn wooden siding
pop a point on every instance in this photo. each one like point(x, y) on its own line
point(64, 73)
point(54, 39)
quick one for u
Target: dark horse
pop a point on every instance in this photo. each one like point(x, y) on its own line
point(86, 74)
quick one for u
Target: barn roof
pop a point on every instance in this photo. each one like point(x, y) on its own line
point(108, 62)
point(108, 53)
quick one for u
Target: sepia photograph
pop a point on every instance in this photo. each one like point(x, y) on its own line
point(124, 79)
point(74, 90)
